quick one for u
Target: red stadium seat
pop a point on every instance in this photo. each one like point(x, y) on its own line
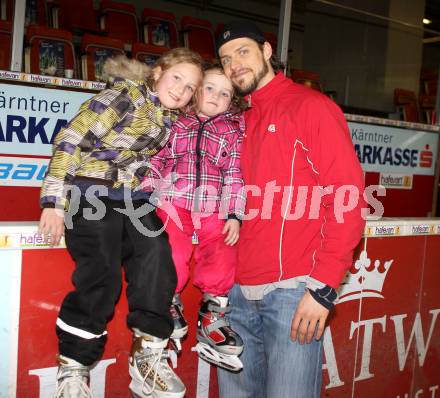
point(7, 9)
point(5, 44)
point(159, 28)
point(406, 102)
point(48, 51)
point(35, 13)
point(147, 53)
point(309, 79)
point(429, 81)
point(119, 21)
point(77, 15)
point(95, 50)
point(427, 107)
point(198, 36)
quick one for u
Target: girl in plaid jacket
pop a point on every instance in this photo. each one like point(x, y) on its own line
point(198, 176)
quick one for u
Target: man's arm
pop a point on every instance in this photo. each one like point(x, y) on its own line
point(340, 175)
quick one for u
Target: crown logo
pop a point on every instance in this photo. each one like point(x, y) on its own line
point(364, 279)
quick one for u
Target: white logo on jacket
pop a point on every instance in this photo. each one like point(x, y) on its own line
point(271, 128)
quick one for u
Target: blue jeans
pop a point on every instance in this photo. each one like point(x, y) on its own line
point(274, 365)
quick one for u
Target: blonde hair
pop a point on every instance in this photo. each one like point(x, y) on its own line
point(178, 55)
point(238, 104)
point(132, 69)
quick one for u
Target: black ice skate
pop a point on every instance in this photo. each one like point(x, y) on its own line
point(217, 342)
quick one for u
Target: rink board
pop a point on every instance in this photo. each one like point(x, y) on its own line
point(383, 339)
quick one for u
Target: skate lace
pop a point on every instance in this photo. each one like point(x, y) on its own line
point(77, 386)
point(156, 365)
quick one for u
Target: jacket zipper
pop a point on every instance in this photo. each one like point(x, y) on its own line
point(199, 157)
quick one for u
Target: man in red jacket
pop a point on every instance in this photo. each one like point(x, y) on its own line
point(302, 223)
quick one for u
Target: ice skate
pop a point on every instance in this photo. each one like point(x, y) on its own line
point(180, 324)
point(151, 376)
point(217, 342)
point(72, 379)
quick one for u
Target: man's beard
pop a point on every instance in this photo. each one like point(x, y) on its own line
point(242, 91)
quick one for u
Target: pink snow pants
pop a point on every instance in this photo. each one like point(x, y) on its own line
point(215, 262)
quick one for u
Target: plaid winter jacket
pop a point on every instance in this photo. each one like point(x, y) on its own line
point(111, 138)
point(199, 168)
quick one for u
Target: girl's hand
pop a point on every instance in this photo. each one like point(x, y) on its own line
point(51, 226)
point(232, 229)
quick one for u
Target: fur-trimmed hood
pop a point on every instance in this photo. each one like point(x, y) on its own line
point(122, 67)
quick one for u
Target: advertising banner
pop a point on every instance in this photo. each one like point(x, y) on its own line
point(30, 117)
point(383, 338)
point(396, 181)
point(394, 150)
point(22, 172)
point(386, 329)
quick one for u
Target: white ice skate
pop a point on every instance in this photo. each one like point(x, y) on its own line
point(217, 342)
point(151, 375)
point(72, 379)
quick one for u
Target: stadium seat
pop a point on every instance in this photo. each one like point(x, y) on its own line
point(198, 36)
point(429, 81)
point(35, 12)
point(78, 16)
point(95, 50)
point(406, 103)
point(147, 53)
point(309, 79)
point(159, 28)
point(7, 10)
point(427, 107)
point(119, 21)
point(48, 51)
point(5, 44)
point(428, 95)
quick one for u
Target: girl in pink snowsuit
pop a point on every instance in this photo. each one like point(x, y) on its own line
point(198, 176)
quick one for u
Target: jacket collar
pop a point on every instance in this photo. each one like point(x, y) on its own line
point(194, 118)
point(269, 90)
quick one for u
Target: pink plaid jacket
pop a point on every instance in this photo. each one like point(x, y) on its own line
point(199, 167)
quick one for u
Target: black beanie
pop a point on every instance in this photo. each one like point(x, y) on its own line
point(238, 29)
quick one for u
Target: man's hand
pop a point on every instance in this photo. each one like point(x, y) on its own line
point(51, 226)
point(232, 229)
point(309, 316)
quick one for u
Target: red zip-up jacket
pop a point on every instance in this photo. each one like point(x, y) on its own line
point(297, 145)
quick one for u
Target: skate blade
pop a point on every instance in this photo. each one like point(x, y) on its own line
point(225, 361)
point(176, 344)
point(179, 333)
point(137, 392)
